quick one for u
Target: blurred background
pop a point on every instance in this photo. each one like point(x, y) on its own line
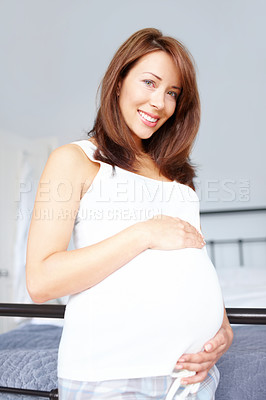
point(53, 56)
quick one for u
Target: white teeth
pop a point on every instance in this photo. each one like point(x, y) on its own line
point(147, 117)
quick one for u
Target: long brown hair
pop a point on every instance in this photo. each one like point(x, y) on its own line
point(171, 145)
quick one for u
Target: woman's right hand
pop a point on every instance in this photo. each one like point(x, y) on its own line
point(172, 233)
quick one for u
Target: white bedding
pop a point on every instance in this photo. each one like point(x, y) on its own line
point(243, 286)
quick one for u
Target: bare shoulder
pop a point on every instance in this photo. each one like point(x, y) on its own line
point(71, 161)
point(70, 155)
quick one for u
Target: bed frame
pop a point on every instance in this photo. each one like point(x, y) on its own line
point(213, 243)
point(255, 316)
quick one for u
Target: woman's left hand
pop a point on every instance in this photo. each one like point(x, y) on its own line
point(203, 361)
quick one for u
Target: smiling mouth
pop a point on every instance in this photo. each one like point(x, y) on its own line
point(148, 118)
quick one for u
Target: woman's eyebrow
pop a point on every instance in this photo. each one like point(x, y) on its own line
point(156, 76)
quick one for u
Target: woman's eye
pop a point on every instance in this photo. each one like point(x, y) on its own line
point(148, 82)
point(173, 94)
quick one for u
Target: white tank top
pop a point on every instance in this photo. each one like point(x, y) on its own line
point(139, 320)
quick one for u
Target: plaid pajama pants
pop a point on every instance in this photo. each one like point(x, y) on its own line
point(152, 388)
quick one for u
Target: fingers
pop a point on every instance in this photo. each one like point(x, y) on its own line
point(199, 377)
point(198, 358)
point(201, 358)
point(194, 233)
point(169, 233)
point(191, 236)
point(187, 226)
point(192, 240)
point(203, 361)
point(219, 340)
point(195, 366)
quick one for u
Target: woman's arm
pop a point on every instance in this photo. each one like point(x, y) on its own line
point(52, 271)
point(203, 361)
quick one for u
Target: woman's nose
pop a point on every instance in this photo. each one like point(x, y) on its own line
point(157, 99)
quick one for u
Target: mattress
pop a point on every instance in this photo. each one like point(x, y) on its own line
point(243, 286)
point(28, 359)
point(243, 367)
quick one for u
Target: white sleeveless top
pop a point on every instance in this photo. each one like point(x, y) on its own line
point(139, 320)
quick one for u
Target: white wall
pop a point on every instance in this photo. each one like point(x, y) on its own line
point(54, 53)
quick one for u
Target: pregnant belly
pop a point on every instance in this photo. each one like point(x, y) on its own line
point(152, 310)
point(175, 294)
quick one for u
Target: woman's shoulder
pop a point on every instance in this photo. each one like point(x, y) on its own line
point(69, 161)
point(71, 155)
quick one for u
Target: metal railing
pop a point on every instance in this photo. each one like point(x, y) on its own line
point(256, 316)
point(240, 241)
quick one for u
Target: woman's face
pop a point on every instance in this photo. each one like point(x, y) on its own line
point(148, 94)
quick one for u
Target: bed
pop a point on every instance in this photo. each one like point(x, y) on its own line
point(28, 360)
point(28, 355)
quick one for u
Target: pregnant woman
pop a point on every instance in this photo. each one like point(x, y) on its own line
point(145, 317)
